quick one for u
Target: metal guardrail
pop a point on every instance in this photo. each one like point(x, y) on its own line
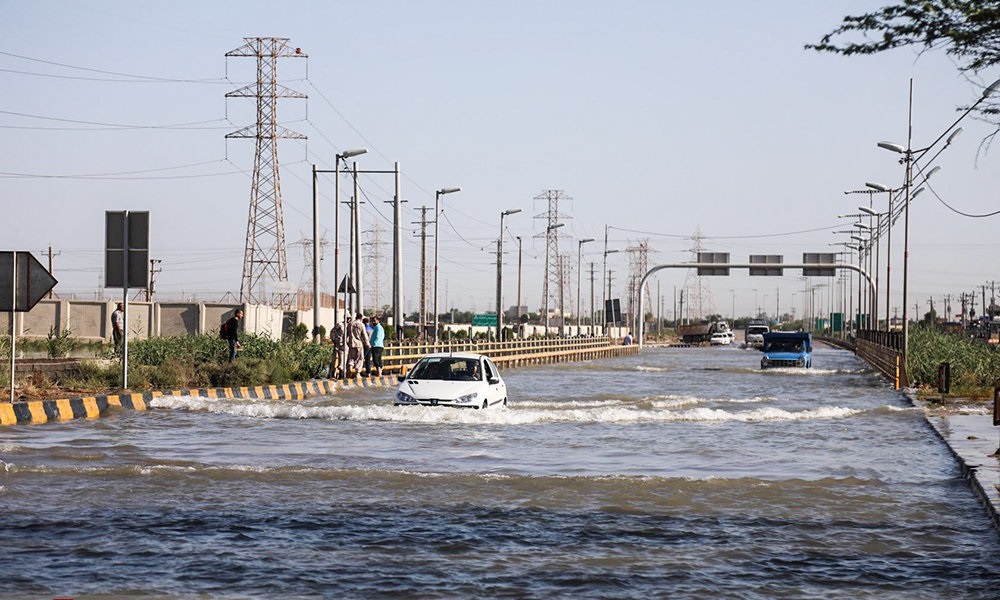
point(396, 358)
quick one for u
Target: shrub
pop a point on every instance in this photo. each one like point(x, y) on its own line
point(59, 344)
point(975, 366)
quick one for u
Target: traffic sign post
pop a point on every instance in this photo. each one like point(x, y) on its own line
point(126, 260)
point(23, 282)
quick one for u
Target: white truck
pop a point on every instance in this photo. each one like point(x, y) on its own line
point(753, 335)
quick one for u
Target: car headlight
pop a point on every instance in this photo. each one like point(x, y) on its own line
point(800, 362)
point(468, 397)
point(405, 398)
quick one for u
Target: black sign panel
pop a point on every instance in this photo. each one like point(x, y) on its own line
point(32, 280)
point(722, 258)
point(126, 237)
point(767, 259)
point(824, 258)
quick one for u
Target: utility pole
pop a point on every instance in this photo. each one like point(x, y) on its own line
point(423, 270)
point(591, 321)
point(51, 294)
point(151, 288)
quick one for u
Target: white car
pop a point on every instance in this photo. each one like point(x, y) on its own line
point(720, 339)
point(452, 379)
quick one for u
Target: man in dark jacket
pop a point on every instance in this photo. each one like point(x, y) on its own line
point(230, 333)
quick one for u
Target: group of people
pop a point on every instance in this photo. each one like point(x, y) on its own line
point(364, 343)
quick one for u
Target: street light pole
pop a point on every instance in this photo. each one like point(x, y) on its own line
point(505, 213)
point(579, 277)
point(519, 279)
point(910, 157)
point(437, 219)
point(336, 230)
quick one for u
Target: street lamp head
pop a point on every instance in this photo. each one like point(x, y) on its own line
point(894, 147)
point(951, 138)
point(931, 172)
point(917, 193)
point(857, 239)
point(448, 190)
point(585, 240)
point(868, 211)
point(510, 211)
point(556, 226)
point(877, 186)
point(351, 153)
point(862, 226)
point(993, 87)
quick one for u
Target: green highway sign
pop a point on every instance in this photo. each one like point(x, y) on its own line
point(485, 320)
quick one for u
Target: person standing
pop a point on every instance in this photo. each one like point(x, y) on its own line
point(357, 343)
point(378, 344)
point(230, 333)
point(337, 359)
point(368, 349)
point(118, 325)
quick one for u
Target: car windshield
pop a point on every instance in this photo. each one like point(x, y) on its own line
point(784, 346)
point(447, 369)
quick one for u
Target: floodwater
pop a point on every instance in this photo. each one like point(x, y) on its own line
point(677, 473)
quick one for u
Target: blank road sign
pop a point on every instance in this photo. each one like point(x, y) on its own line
point(32, 279)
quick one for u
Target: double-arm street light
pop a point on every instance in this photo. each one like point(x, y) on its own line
point(579, 277)
point(509, 211)
point(336, 233)
point(437, 219)
point(909, 160)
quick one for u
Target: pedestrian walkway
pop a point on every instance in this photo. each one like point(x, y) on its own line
point(974, 441)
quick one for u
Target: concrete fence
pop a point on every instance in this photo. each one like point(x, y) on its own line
point(91, 320)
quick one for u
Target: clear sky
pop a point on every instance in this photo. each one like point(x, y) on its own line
point(659, 119)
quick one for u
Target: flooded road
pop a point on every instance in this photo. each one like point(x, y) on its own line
point(681, 473)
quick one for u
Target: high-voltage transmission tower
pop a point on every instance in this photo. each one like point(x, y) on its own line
point(264, 256)
point(696, 287)
point(373, 264)
point(638, 260)
point(553, 221)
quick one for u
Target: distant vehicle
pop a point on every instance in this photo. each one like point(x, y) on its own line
point(459, 379)
point(701, 332)
point(786, 349)
point(753, 335)
point(720, 339)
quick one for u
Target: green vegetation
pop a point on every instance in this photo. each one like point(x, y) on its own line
point(975, 366)
point(183, 362)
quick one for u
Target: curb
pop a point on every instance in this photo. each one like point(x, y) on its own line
point(36, 412)
point(970, 472)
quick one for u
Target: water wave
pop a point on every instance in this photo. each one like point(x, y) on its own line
point(533, 412)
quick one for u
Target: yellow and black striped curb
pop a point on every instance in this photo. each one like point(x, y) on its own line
point(33, 412)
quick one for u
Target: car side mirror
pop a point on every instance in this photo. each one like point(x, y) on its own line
point(401, 378)
point(494, 380)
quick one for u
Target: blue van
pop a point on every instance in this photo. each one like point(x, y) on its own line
point(786, 349)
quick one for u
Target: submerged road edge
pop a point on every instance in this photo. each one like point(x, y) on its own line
point(36, 412)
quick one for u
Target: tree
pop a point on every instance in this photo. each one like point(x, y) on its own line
point(967, 30)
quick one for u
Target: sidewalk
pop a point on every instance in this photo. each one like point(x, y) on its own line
point(973, 439)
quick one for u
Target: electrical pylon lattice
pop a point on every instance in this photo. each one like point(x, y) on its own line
point(638, 259)
point(264, 256)
point(697, 290)
point(553, 272)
